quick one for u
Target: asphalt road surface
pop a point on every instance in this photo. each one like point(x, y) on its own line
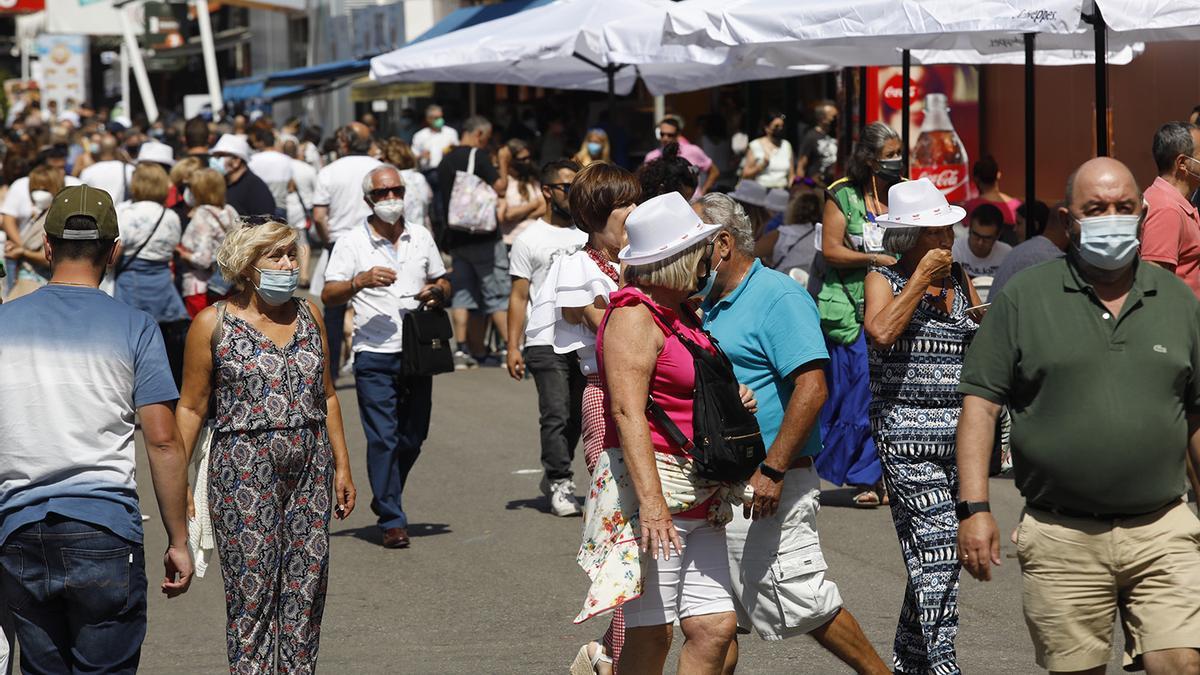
point(490, 584)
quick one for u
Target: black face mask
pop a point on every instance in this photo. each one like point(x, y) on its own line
point(891, 170)
point(560, 211)
point(777, 134)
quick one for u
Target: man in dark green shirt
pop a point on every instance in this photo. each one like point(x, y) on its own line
point(1098, 356)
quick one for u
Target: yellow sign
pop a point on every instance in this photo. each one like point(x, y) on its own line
point(365, 90)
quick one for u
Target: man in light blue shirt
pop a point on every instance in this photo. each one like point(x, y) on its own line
point(768, 326)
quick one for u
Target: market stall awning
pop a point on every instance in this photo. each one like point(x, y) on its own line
point(561, 45)
point(255, 88)
point(466, 17)
point(320, 74)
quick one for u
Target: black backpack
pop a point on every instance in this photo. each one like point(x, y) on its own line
point(728, 444)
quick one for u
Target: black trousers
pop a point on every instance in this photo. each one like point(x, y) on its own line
point(560, 407)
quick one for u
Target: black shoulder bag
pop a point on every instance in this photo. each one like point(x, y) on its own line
point(728, 444)
point(425, 342)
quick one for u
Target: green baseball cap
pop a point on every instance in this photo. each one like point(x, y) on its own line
point(82, 200)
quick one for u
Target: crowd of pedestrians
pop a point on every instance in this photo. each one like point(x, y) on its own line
point(719, 346)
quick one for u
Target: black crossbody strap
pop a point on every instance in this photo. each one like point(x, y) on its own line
point(673, 431)
point(128, 261)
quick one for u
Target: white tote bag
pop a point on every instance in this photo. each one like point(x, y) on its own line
point(472, 202)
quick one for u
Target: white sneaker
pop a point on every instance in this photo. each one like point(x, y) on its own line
point(563, 502)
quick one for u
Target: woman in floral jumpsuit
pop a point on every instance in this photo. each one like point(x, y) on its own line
point(278, 453)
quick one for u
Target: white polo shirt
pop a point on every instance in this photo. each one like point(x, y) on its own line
point(379, 312)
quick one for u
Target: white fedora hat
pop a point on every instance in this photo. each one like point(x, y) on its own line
point(232, 144)
point(750, 192)
point(159, 153)
point(919, 203)
point(662, 227)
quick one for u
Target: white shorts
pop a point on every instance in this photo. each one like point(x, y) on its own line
point(778, 570)
point(693, 584)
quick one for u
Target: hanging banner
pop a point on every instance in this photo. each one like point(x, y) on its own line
point(938, 154)
point(64, 63)
point(21, 6)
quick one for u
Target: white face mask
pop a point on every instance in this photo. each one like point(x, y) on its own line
point(188, 197)
point(389, 210)
point(41, 199)
point(1109, 242)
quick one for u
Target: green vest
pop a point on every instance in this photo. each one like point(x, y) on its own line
point(841, 299)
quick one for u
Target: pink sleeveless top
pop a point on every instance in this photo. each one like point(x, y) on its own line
point(674, 378)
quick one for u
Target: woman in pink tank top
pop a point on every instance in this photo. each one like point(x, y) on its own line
point(640, 356)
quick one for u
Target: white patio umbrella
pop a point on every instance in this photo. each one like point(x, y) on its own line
point(561, 45)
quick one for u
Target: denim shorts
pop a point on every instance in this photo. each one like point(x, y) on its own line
point(479, 276)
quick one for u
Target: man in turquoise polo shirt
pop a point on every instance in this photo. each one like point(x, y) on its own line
point(768, 326)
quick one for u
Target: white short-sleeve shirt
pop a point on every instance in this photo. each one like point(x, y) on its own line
point(379, 312)
point(534, 251)
point(275, 169)
point(111, 176)
point(435, 143)
point(339, 187)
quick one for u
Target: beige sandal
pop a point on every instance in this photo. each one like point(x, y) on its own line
point(587, 664)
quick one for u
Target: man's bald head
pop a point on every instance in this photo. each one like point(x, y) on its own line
point(108, 146)
point(1102, 186)
point(357, 138)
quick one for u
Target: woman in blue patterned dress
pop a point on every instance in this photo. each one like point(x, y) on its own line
point(919, 330)
point(278, 452)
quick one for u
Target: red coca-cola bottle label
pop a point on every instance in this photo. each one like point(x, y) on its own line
point(951, 179)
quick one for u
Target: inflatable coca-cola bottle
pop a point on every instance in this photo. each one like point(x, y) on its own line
point(940, 155)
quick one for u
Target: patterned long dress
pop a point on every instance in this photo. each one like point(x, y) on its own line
point(914, 419)
point(270, 493)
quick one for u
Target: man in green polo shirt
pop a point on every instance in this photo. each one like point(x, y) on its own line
point(1098, 356)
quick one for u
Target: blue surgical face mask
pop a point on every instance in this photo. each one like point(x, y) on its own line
point(1108, 242)
point(276, 287)
point(594, 148)
point(217, 164)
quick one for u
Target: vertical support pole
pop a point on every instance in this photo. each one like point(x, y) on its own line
point(139, 67)
point(124, 80)
point(906, 103)
point(1030, 134)
point(1101, 33)
point(660, 108)
point(611, 71)
point(209, 51)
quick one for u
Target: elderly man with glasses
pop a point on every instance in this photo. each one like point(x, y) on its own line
point(385, 270)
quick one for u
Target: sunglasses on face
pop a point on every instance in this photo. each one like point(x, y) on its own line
point(565, 187)
point(383, 192)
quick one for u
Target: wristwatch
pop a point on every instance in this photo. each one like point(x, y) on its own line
point(965, 510)
point(771, 472)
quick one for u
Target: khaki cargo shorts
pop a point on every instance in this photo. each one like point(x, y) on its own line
point(1080, 574)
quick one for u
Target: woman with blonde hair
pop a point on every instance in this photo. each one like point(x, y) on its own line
point(277, 450)
point(181, 175)
point(645, 486)
point(32, 269)
point(149, 234)
point(594, 148)
point(212, 220)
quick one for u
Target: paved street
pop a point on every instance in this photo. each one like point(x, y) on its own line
point(490, 584)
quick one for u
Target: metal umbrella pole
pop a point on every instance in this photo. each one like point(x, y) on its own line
point(1030, 134)
point(610, 71)
point(1100, 29)
point(905, 102)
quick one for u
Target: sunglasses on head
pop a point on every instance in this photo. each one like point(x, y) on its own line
point(383, 192)
point(253, 221)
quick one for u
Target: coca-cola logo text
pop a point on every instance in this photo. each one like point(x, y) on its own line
point(946, 178)
point(950, 179)
point(893, 92)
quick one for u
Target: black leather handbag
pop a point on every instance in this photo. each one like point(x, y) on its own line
point(425, 348)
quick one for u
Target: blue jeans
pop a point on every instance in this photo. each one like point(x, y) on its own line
point(77, 594)
point(560, 386)
point(395, 412)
